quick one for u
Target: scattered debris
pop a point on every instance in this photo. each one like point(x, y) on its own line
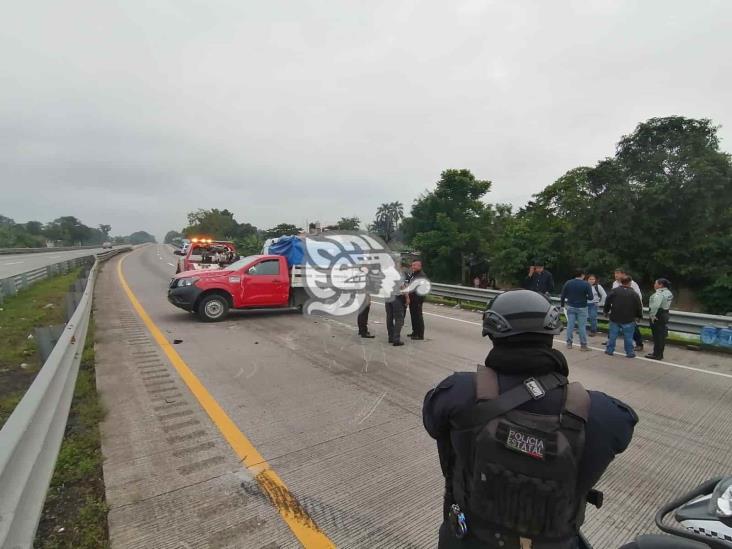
point(256, 342)
point(24, 365)
point(176, 341)
point(61, 529)
point(49, 306)
point(30, 336)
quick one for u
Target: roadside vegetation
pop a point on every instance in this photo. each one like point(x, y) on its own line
point(62, 231)
point(40, 305)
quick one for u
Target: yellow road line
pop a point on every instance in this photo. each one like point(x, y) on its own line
point(297, 518)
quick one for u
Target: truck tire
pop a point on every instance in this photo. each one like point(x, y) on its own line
point(212, 308)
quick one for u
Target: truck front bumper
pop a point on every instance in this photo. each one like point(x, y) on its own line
point(185, 297)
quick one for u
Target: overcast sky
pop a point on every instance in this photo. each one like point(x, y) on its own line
point(135, 112)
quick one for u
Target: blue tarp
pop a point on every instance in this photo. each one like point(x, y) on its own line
point(290, 247)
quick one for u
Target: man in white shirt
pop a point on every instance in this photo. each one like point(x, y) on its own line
point(620, 273)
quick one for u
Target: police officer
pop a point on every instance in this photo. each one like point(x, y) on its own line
point(362, 320)
point(539, 279)
point(416, 300)
point(395, 310)
point(520, 447)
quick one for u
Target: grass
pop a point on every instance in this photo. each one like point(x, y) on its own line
point(40, 305)
point(75, 512)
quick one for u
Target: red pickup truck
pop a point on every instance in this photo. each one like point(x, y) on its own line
point(253, 282)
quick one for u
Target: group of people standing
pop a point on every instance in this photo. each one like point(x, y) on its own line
point(408, 298)
point(584, 296)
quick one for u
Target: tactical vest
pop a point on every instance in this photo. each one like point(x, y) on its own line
point(519, 486)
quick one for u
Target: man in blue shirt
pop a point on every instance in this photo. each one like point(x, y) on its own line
point(577, 293)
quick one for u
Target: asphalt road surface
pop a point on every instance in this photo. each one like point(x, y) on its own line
point(11, 265)
point(339, 417)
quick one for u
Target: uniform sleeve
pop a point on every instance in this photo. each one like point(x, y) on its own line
point(527, 283)
point(608, 432)
point(436, 408)
point(654, 303)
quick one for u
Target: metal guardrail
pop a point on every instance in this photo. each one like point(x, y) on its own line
point(13, 284)
point(680, 321)
point(31, 438)
point(8, 251)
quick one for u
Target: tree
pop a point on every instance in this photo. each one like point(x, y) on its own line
point(250, 244)
point(348, 224)
point(172, 236)
point(141, 237)
point(451, 226)
point(105, 230)
point(214, 223)
point(283, 229)
point(661, 206)
point(388, 216)
point(34, 227)
point(14, 235)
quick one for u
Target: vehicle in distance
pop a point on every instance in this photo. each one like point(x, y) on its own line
point(206, 255)
point(106, 246)
point(252, 282)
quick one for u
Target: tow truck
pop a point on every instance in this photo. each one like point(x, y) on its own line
point(205, 254)
point(252, 282)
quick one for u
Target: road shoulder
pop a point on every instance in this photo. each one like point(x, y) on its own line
point(171, 479)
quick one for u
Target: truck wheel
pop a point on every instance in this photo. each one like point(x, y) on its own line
point(213, 308)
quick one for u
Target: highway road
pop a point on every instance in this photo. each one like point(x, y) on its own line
point(338, 418)
point(11, 265)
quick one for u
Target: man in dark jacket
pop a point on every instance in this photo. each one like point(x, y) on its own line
point(539, 279)
point(493, 498)
point(623, 307)
point(416, 299)
point(577, 293)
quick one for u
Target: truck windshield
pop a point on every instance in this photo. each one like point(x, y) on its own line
point(241, 263)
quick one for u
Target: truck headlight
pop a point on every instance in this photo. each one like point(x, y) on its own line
point(183, 282)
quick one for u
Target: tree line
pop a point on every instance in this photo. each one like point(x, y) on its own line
point(222, 225)
point(63, 231)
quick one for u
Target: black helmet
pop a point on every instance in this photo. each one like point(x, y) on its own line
point(521, 312)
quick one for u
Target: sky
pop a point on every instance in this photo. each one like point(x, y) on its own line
point(134, 113)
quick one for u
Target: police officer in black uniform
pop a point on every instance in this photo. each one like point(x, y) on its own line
point(416, 300)
point(520, 447)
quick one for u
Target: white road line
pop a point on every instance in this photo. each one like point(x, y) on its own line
point(13, 263)
point(171, 264)
point(672, 364)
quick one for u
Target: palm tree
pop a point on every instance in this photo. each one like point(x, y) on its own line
point(388, 216)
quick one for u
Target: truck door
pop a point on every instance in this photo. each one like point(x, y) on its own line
point(265, 284)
